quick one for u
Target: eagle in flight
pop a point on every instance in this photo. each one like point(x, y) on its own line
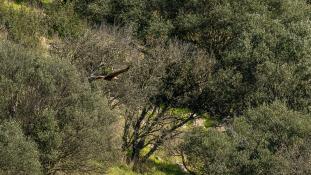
point(110, 76)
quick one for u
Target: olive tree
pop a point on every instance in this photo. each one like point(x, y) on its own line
point(167, 88)
point(159, 94)
point(262, 52)
point(262, 47)
point(270, 139)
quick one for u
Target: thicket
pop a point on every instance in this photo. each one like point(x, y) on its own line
point(270, 139)
point(69, 121)
point(261, 47)
point(242, 64)
point(19, 154)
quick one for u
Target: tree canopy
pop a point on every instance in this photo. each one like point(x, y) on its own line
point(270, 139)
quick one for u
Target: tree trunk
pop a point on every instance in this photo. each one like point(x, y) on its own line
point(136, 162)
point(136, 155)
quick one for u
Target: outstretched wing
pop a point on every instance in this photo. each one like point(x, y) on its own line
point(112, 75)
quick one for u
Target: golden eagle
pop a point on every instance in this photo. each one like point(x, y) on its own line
point(110, 76)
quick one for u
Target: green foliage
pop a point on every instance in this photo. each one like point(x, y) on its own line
point(182, 112)
point(261, 46)
point(18, 154)
point(244, 54)
point(45, 133)
point(23, 24)
point(98, 10)
point(63, 21)
point(139, 14)
point(160, 80)
point(68, 120)
point(211, 153)
point(266, 140)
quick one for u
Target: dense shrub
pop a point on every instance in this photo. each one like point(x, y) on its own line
point(57, 109)
point(263, 55)
point(262, 47)
point(19, 155)
point(23, 25)
point(235, 58)
point(63, 21)
point(266, 140)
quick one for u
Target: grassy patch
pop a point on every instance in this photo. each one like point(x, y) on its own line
point(18, 6)
point(121, 170)
point(153, 167)
point(166, 168)
point(46, 1)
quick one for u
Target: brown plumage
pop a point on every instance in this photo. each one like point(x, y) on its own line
point(110, 76)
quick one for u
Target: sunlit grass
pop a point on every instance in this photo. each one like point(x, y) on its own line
point(156, 169)
point(15, 6)
point(22, 6)
point(154, 166)
point(46, 1)
point(121, 170)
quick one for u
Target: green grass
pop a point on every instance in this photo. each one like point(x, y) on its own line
point(167, 168)
point(121, 170)
point(15, 6)
point(128, 171)
point(153, 167)
point(46, 1)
